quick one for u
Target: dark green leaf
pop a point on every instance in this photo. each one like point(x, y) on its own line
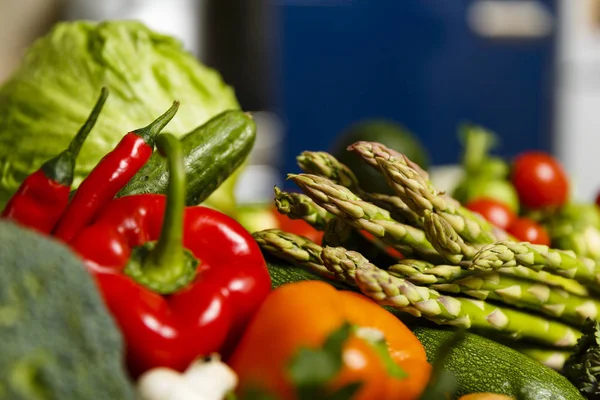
point(442, 387)
point(443, 382)
point(583, 367)
point(393, 369)
point(316, 367)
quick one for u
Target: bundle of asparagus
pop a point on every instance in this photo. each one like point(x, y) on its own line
point(460, 270)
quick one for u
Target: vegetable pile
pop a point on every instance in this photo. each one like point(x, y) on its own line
point(455, 267)
point(119, 284)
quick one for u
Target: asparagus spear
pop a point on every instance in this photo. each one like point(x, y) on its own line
point(293, 248)
point(300, 206)
point(419, 194)
point(526, 294)
point(567, 284)
point(391, 291)
point(445, 239)
point(537, 257)
point(397, 208)
point(341, 202)
point(551, 358)
point(421, 197)
point(370, 151)
point(422, 272)
point(324, 164)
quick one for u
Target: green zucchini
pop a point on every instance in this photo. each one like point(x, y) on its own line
point(483, 365)
point(211, 152)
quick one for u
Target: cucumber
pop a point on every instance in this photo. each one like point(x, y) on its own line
point(483, 365)
point(211, 153)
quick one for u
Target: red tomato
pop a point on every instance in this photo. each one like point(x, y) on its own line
point(540, 180)
point(494, 211)
point(298, 227)
point(528, 230)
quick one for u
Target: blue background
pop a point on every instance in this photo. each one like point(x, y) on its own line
point(414, 61)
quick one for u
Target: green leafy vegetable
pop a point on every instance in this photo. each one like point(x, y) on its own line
point(583, 367)
point(51, 93)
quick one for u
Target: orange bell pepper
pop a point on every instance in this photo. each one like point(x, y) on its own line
point(303, 315)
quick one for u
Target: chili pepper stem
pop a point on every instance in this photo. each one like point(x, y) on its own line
point(166, 266)
point(149, 132)
point(62, 167)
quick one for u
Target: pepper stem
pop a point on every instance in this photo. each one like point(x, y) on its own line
point(77, 142)
point(166, 266)
point(61, 168)
point(150, 132)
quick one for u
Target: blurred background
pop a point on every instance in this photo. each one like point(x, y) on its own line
point(529, 70)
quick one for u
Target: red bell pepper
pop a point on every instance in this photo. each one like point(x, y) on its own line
point(43, 196)
point(181, 282)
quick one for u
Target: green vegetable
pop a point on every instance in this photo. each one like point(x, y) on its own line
point(362, 215)
point(421, 272)
point(300, 206)
point(537, 257)
point(482, 365)
point(283, 272)
point(59, 341)
point(327, 166)
point(340, 233)
point(576, 226)
point(526, 294)
point(388, 290)
point(52, 91)
point(390, 133)
point(485, 175)
point(479, 187)
point(583, 367)
point(421, 196)
point(211, 153)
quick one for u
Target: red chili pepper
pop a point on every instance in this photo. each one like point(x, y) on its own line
point(44, 195)
point(110, 175)
point(188, 294)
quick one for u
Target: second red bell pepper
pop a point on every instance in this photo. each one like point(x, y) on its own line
point(181, 282)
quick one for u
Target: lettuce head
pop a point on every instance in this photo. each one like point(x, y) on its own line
point(47, 99)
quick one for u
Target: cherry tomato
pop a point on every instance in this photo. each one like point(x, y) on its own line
point(298, 227)
point(540, 180)
point(494, 211)
point(528, 230)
